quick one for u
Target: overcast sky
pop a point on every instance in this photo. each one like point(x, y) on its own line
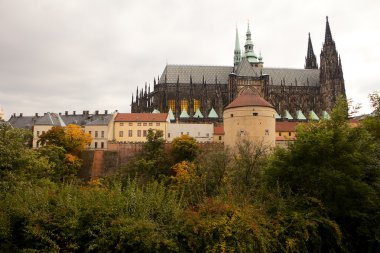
point(58, 55)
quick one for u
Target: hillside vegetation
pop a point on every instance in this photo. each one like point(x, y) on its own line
point(322, 194)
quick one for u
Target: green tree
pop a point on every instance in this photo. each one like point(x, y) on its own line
point(330, 161)
point(16, 158)
point(152, 162)
point(184, 148)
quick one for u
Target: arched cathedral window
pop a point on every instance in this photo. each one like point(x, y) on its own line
point(184, 105)
point(197, 104)
point(171, 105)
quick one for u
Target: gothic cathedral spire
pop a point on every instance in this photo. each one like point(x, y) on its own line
point(237, 52)
point(328, 36)
point(331, 73)
point(310, 60)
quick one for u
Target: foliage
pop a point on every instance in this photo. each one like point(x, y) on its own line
point(152, 162)
point(70, 137)
point(184, 148)
point(16, 159)
point(332, 161)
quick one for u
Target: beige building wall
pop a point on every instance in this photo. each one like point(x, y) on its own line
point(101, 134)
point(127, 131)
point(218, 138)
point(37, 131)
point(1, 114)
point(253, 123)
point(200, 132)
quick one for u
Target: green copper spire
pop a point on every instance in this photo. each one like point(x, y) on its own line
point(249, 53)
point(184, 114)
point(213, 114)
point(198, 114)
point(237, 52)
point(313, 116)
point(171, 115)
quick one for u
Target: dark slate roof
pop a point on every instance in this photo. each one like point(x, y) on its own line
point(277, 76)
point(304, 77)
point(183, 72)
point(50, 119)
point(245, 69)
point(248, 98)
point(25, 122)
point(102, 120)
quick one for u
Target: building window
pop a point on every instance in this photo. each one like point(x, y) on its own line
point(139, 124)
point(145, 124)
point(121, 133)
point(37, 144)
point(208, 135)
point(90, 132)
point(129, 133)
point(121, 124)
point(102, 134)
point(220, 138)
point(138, 133)
point(144, 133)
point(181, 133)
point(168, 135)
point(197, 105)
point(158, 124)
point(255, 114)
point(150, 124)
point(96, 134)
point(266, 131)
point(187, 133)
point(279, 133)
point(96, 144)
point(171, 105)
point(184, 105)
point(232, 115)
point(130, 124)
point(290, 133)
point(38, 133)
point(102, 145)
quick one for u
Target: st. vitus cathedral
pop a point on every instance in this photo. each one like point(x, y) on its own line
point(199, 93)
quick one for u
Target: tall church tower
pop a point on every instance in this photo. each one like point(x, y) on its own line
point(310, 59)
point(331, 74)
point(248, 52)
point(237, 52)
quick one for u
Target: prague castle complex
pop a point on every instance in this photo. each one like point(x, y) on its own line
point(200, 93)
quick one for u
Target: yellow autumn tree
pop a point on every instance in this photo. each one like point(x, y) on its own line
point(76, 139)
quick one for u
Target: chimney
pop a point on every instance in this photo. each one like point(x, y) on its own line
point(96, 112)
point(60, 113)
point(105, 112)
point(36, 114)
point(84, 112)
point(66, 113)
point(14, 114)
point(20, 114)
point(73, 112)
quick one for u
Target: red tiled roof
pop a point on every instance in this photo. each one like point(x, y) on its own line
point(286, 126)
point(141, 117)
point(219, 130)
point(248, 98)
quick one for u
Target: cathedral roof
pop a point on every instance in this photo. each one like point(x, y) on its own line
point(183, 72)
point(277, 76)
point(245, 69)
point(248, 98)
point(295, 77)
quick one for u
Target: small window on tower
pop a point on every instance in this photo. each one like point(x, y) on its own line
point(255, 114)
point(232, 115)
